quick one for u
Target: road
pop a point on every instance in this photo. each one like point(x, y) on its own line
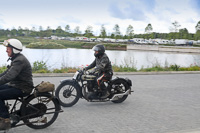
point(168, 103)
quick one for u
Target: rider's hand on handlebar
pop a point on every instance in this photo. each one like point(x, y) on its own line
point(84, 70)
point(87, 72)
point(92, 72)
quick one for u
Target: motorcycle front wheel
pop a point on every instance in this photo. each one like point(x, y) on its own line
point(68, 94)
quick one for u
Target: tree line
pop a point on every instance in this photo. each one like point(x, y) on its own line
point(175, 32)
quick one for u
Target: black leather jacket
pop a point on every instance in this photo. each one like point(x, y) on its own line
point(18, 74)
point(102, 64)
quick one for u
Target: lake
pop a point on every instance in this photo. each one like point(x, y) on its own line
point(71, 57)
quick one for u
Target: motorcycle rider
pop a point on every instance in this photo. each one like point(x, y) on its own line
point(102, 69)
point(16, 81)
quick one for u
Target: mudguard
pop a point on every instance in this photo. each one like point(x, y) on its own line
point(67, 80)
point(45, 93)
point(71, 81)
point(128, 81)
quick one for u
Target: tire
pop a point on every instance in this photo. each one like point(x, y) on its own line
point(121, 87)
point(68, 94)
point(41, 111)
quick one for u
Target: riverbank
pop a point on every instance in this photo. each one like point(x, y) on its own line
point(181, 49)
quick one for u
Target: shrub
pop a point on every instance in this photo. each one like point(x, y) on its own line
point(40, 67)
point(174, 67)
point(2, 69)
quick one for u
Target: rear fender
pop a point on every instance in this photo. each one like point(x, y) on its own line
point(128, 81)
point(57, 101)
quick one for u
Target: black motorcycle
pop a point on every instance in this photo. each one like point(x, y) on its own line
point(82, 85)
point(37, 110)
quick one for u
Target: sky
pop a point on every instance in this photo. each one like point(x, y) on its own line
point(83, 13)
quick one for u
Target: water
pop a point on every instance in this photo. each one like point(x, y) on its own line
point(71, 57)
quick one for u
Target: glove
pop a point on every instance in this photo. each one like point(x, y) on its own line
point(92, 71)
point(84, 69)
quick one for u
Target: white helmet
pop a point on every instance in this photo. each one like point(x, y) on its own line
point(15, 44)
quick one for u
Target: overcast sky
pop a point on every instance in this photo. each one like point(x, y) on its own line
point(83, 13)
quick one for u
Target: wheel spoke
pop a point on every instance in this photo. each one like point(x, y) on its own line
point(45, 107)
point(68, 94)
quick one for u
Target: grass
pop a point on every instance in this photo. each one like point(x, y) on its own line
point(43, 69)
point(45, 45)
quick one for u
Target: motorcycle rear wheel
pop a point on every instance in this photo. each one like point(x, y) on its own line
point(40, 111)
point(121, 87)
point(68, 94)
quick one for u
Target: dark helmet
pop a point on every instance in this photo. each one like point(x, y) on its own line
point(100, 48)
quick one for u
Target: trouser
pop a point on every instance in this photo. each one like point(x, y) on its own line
point(6, 93)
point(101, 78)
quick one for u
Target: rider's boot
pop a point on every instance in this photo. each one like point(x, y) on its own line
point(5, 123)
point(105, 92)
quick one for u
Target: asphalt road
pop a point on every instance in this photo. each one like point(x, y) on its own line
point(168, 103)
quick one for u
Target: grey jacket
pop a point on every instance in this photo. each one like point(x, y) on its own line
point(101, 64)
point(18, 74)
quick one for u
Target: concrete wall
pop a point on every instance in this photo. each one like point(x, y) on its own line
point(164, 48)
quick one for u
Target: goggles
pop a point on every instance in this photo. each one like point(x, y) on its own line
point(6, 43)
point(96, 48)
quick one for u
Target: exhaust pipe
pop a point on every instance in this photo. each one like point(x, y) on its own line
point(117, 96)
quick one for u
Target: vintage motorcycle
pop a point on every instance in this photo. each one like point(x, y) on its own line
point(37, 110)
point(69, 91)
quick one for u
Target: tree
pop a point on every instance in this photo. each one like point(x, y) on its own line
point(40, 28)
point(129, 32)
point(67, 28)
point(197, 35)
point(149, 29)
point(33, 29)
point(183, 33)
point(13, 32)
point(112, 36)
point(20, 31)
point(33, 33)
point(117, 32)
point(197, 27)
point(175, 26)
point(77, 31)
point(48, 32)
point(88, 32)
point(59, 31)
point(26, 31)
point(103, 33)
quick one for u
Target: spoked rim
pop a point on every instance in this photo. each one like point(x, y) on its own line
point(67, 94)
point(46, 114)
point(122, 87)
